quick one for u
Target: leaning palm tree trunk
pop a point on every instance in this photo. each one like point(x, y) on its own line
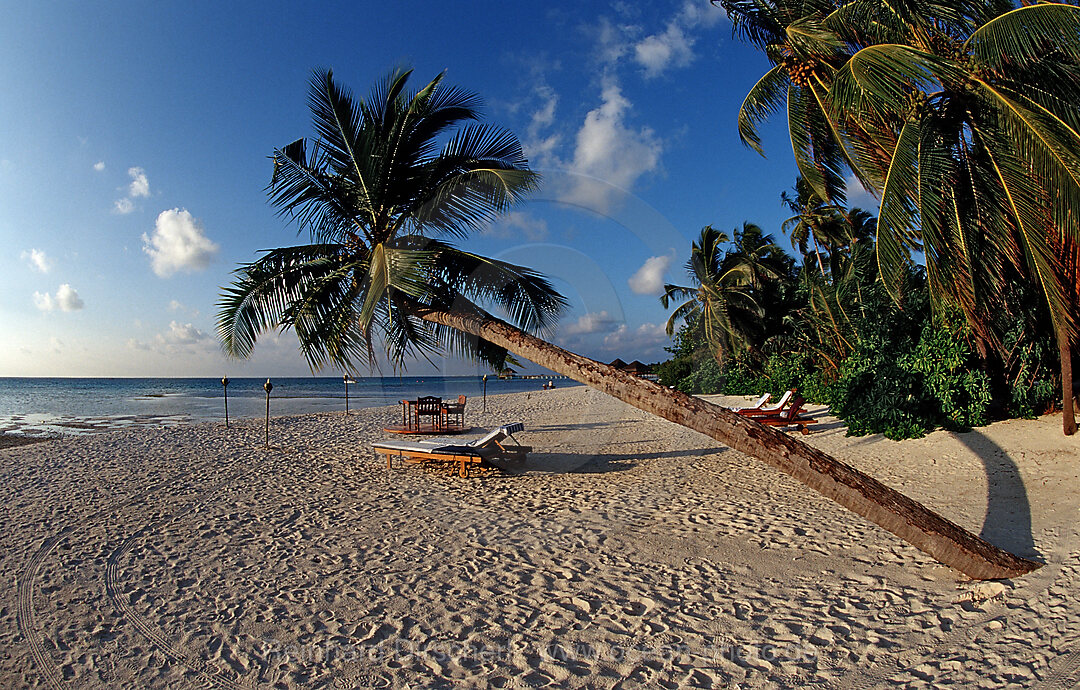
point(1068, 416)
point(908, 519)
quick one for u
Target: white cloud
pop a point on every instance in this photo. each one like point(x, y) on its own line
point(99, 166)
point(175, 305)
point(66, 299)
point(857, 196)
point(592, 322)
point(178, 244)
point(138, 188)
point(609, 156)
point(613, 40)
point(537, 145)
point(37, 259)
point(134, 344)
point(519, 225)
point(181, 334)
point(674, 46)
point(140, 185)
point(643, 342)
point(546, 114)
point(649, 279)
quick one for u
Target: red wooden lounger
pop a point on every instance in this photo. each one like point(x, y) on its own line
point(790, 417)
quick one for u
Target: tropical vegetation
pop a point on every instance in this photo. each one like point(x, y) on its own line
point(962, 117)
point(834, 332)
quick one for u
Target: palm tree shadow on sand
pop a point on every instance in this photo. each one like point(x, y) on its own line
point(1007, 523)
point(598, 463)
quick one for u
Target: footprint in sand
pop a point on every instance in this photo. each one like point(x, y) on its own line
point(639, 607)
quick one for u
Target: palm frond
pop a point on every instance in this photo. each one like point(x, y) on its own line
point(766, 97)
point(1027, 35)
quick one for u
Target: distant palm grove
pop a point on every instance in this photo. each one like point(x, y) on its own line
point(959, 302)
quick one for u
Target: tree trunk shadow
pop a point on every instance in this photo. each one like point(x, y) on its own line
point(1007, 523)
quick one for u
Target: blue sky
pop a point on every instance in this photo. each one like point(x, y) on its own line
point(134, 144)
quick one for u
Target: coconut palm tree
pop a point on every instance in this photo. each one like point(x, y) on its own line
point(374, 189)
point(805, 54)
point(824, 226)
point(961, 115)
point(984, 176)
point(719, 303)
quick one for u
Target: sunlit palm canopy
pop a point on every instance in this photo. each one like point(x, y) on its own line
point(984, 178)
point(718, 303)
point(805, 54)
point(379, 190)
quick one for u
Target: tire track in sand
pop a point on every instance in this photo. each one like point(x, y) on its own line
point(162, 643)
point(27, 579)
point(24, 615)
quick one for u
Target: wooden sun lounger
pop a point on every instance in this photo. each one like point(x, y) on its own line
point(755, 407)
point(789, 417)
point(772, 410)
point(492, 447)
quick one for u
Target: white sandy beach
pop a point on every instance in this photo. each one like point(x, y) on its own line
point(629, 552)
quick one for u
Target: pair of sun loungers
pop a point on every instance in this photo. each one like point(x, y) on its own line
point(490, 449)
point(783, 414)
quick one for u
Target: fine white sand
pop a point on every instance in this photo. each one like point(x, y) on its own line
point(628, 552)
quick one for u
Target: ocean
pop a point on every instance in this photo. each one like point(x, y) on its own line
point(47, 406)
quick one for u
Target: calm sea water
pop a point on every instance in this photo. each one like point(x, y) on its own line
point(82, 405)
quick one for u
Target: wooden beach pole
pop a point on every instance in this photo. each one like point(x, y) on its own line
point(268, 387)
point(225, 389)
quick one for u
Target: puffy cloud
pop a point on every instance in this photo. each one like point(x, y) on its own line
point(178, 336)
point(65, 299)
point(592, 322)
point(140, 185)
point(517, 225)
point(178, 244)
point(545, 115)
point(609, 155)
point(537, 145)
point(37, 259)
point(138, 188)
point(644, 342)
point(181, 334)
point(858, 197)
point(649, 279)
point(99, 166)
point(673, 47)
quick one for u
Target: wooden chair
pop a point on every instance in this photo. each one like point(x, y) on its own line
point(429, 406)
point(789, 417)
point(455, 412)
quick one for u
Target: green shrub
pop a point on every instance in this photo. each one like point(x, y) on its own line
point(705, 378)
point(951, 375)
point(743, 377)
point(875, 395)
point(674, 370)
point(1032, 375)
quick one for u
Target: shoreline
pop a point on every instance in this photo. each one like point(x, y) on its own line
point(629, 548)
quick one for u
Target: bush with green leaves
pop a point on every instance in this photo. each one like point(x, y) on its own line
point(951, 373)
point(705, 378)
